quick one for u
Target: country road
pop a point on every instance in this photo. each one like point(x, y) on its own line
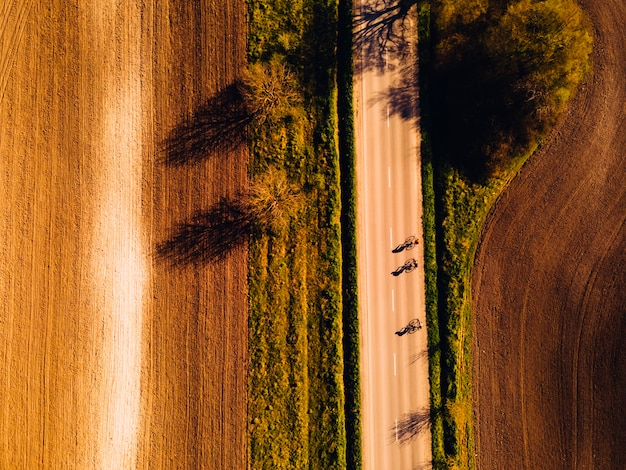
point(394, 368)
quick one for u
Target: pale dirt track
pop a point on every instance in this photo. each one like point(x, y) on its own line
point(550, 283)
point(109, 358)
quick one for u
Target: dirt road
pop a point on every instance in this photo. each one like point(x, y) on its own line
point(394, 368)
point(549, 287)
point(109, 358)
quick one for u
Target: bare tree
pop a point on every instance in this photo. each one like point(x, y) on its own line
point(211, 234)
point(221, 124)
point(269, 92)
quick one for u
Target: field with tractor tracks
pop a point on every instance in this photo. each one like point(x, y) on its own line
point(549, 284)
point(109, 356)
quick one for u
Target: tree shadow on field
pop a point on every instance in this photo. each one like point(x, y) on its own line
point(219, 125)
point(209, 235)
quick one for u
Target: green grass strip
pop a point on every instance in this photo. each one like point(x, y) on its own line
point(454, 212)
point(296, 380)
point(429, 223)
point(351, 341)
point(456, 204)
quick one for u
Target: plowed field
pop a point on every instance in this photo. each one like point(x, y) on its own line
point(110, 358)
point(550, 286)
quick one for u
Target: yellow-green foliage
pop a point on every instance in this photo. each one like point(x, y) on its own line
point(273, 201)
point(270, 91)
point(501, 71)
point(504, 70)
point(459, 12)
point(296, 390)
point(551, 43)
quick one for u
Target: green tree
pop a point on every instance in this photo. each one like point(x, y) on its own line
point(547, 44)
point(502, 76)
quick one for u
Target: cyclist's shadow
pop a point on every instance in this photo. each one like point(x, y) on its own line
point(408, 266)
point(398, 271)
point(413, 326)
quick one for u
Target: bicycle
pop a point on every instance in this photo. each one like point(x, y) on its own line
point(410, 243)
point(408, 266)
point(411, 328)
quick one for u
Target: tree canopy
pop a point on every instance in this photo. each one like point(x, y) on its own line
point(503, 72)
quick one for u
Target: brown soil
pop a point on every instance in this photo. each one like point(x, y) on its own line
point(110, 358)
point(549, 287)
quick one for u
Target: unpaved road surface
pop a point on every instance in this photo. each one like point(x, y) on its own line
point(550, 287)
point(108, 357)
point(395, 386)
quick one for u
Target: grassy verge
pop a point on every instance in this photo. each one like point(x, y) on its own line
point(345, 78)
point(429, 223)
point(298, 408)
point(460, 188)
point(464, 207)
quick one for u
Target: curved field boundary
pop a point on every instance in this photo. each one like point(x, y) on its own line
point(549, 286)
